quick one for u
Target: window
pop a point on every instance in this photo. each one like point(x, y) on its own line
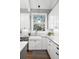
point(39, 22)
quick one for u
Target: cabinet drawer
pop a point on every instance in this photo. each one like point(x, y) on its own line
point(53, 50)
point(56, 51)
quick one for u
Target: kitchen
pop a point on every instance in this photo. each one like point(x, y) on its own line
point(39, 24)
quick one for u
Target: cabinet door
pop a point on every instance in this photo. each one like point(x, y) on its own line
point(24, 4)
point(44, 43)
point(34, 45)
point(25, 20)
point(55, 51)
point(50, 22)
point(52, 53)
point(52, 50)
point(37, 45)
point(48, 46)
point(31, 45)
point(49, 49)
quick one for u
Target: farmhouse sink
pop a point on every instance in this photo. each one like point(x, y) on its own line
point(35, 37)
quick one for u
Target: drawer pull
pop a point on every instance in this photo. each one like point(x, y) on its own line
point(57, 48)
point(49, 41)
point(57, 53)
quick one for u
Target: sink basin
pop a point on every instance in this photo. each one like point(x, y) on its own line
point(35, 37)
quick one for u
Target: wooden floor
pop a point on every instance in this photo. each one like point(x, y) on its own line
point(37, 55)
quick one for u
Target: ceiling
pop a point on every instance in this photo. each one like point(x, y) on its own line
point(43, 4)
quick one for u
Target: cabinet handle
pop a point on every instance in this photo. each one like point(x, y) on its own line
point(57, 53)
point(57, 48)
point(50, 41)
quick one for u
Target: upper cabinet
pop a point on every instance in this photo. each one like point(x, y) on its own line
point(25, 21)
point(37, 4)
point(24, 4)
point(54, 18)
point(55, 10)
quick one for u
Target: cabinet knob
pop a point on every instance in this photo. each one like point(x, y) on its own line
point(50, 41)
point(57, 48)
point(57, 53)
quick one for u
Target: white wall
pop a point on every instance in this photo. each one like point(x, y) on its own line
point(53, 18)
point(25, 20)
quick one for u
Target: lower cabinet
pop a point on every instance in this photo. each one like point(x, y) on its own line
point(53, 50)
point(44, 43)
point(23, 53)
point(34, 44)
point(38, 44)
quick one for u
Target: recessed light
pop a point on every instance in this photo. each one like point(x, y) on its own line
point(38, 6)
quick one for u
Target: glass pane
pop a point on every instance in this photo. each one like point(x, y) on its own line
point(39, 22)
point(39, 18)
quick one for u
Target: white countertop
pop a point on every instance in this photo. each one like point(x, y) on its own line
point(35, 37)
point(54, 38)
point(23, 44)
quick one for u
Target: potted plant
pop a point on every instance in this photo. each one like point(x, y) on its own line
point(50, 33)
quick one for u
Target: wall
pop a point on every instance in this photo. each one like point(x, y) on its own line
point(25, 20)
point(53, 18)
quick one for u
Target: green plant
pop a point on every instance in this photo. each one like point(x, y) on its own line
point(50, 33)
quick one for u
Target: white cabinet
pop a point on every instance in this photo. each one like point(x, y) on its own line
point(50, 22)
point(53, 22)
point(53, 50)
point(54, 17)
point(39, 43)
point(50, 50)
point(44, 43)
point(25, 20)
point(24, 4)
point(34, 43)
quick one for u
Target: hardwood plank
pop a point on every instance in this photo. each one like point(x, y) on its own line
point(37, 55)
